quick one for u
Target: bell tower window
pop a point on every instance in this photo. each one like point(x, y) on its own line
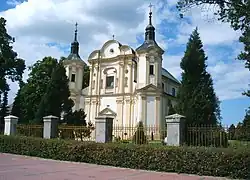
point(73, 78)
point(151, 69)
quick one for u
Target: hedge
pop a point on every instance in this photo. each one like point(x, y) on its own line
point(233, 163)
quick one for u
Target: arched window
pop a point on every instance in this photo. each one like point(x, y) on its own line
point(173, 91)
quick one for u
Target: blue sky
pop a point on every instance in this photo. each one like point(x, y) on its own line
point(45, 28)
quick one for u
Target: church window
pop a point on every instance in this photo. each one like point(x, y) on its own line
point(151, 69)
point(135, 71)
point(73, 77)
point(126, 82)
point(173, 91)
point(93, 84)
point(110, 82)
point(163, 87)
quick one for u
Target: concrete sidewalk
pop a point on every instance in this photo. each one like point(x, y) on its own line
point(15, 167)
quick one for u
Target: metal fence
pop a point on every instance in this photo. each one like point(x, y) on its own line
point(127, 133)
point(79, 133)
point(29, 130)
point(202, 135)
point(217, 136)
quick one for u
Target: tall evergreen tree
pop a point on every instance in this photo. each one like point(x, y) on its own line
point(196, 98)
point(171, 109)
point(16, 107)
point(56, 99)
point(4, 107)
point(236, 12)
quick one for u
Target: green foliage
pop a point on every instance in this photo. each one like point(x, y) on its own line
point(76, 118)
point(231, 132)
point(86, 76)
point(233, 163)
point(236, 12)
point(16, 107)
point(56, 98)
point(32, 92)
point(196, 98)
point(242, 131)
point(4, 107)
point(139, 136)
point(11, 67)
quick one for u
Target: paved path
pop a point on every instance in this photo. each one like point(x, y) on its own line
point(15, 167)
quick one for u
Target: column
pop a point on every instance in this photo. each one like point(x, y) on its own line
point(50, 127)
point(130, 80)
point(175, 130)
point(119, 103)
point(156, 81)
point(144, 110)
point(10, 125)
point(121, 77)
point(90, 80)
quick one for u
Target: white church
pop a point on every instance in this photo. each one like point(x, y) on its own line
point(127, 84)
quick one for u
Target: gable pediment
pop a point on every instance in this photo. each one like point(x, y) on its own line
point(107, 112)
point(149, 88)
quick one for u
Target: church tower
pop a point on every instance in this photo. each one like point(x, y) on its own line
point(74, 66)
point(150, 58)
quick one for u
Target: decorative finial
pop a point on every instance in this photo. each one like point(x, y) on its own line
point(113, 36)
point(150, 13)
point(76, 31)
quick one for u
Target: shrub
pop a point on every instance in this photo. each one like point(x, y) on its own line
point(139, 136)
point(227, 162)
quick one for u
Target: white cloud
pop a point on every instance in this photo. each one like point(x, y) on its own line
point(35, 23)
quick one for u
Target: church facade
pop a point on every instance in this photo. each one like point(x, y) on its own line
point(127, 84)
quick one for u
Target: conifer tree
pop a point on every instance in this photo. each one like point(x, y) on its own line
point(171, 109)
point(16, 107)
point(56, 99)
point(4, 107)
point(196, 98)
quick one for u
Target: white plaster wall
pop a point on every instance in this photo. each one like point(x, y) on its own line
point(142, 75)
point(111, 101)
point(150, 111)
point(108, 54)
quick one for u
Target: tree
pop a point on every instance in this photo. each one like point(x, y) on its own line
point(139, 136)
point(31, 93)
point(16, 107)
point(86, 76)
point(171, 108)
point(196, 98)
point(231, 132)
point(11, 67)
point(56, 99)
point(236, 12)
point(4, 106)
point(75, 118)
point(246, 126)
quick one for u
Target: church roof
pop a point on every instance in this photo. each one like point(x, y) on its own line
point(74, 53)
point(169, 75)
point(149, 36)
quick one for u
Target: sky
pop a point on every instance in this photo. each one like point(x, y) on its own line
point(45, 28)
